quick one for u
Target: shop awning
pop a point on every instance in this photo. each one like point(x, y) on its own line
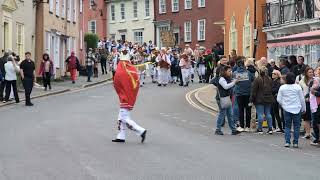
point(306, 38)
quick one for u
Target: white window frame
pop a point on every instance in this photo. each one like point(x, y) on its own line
point(57, 7)
point(135, 9)
point(69, 10)
point(20, 42)
point(199, 30)
point(233, 35)
point(187, 31)
point(74, 11)
point(63, 8)
point(81, 39)
point(247, 35)
point(201, 3)
point(91, 2)
point(113, 13)
point(162, 7)
point(81, 6)
point(147, 8)
point(138, 39)
point(51, 6)
point(123, 11)
point(89, 26)
point(175, 2)
point(186, 3)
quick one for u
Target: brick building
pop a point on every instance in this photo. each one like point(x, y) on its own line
point(241, 32)
point(93, 19)
point(190, 21)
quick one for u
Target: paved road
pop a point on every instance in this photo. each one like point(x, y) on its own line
point(68, 137)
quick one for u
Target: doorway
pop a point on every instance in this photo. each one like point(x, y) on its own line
point(123, 37)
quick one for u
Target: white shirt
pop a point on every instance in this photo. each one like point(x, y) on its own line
point(11, 72)
point(223, 82)
point(291, 99)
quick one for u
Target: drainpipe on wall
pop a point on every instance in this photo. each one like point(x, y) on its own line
point(256, 34)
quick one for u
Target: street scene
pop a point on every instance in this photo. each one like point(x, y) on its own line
point(159, 89)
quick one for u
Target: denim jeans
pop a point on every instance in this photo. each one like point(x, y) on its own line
point(221, 117)
point(296, 120)
point(235, 110)
point(89, 72)
point(264, 110)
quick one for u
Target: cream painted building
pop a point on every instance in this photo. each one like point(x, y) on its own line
point(17, 28)
point(130, 20)
point(58, 32)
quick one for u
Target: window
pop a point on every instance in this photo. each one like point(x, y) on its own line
point(122, 11)
point(57, 8)
point(162, 6)
point(63, 8)
point(81, 6)
point(92, 27)
point(138, 37)
point(147, 7)
point(135, 9)
point(69, 10)
point(187, 4)
point(187, 31)
point(201, 3)
point(247, 35)
point(201, 30)
point(51, 6)
point(113, 14)
point(233, 35)
point(175, 5)
point(74, 10)
point(20, 39)
point(91, 3)
point(113, 36)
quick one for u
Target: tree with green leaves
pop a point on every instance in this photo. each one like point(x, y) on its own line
point(91, 40)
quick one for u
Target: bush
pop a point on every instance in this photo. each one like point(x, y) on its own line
point(91, 40)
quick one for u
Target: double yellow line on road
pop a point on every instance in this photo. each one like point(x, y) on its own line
point(194, 104)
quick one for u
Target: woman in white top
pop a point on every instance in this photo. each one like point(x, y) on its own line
point(291, 99)
point(11, 69)
point(304, 83)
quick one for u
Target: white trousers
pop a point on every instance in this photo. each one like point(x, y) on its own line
point(142, 76)
point(126, 122)
point(202, 70)
point(185, 76)
point(163, 76)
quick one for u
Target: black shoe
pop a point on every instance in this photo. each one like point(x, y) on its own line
point(143, 136)
point(73, 82)
point(165, 85)
point(29, 104)
point(236, 132)
point(159, 85)
point(219, 132)
point(259, 131)
point(18, 101)
point(270, 131)
point(180, 84)
point(119, 140)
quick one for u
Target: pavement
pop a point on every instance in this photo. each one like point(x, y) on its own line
point(206, 96)
point(68, 137)
point(61, 86)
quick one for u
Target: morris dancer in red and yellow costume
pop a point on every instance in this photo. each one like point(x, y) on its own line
point(126, 83)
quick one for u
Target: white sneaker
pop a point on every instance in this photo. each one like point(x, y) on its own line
point(240, 129)
point(247, 130)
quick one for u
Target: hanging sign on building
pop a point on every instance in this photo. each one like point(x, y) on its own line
point(167, 38)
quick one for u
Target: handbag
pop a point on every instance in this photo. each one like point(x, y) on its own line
point(225, 102)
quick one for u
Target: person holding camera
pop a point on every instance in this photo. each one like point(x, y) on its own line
point(11, 69)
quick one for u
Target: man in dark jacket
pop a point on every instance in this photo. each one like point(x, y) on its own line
point(284, 67)
point(242, 93)
point(3, 61)
point(300, 67)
